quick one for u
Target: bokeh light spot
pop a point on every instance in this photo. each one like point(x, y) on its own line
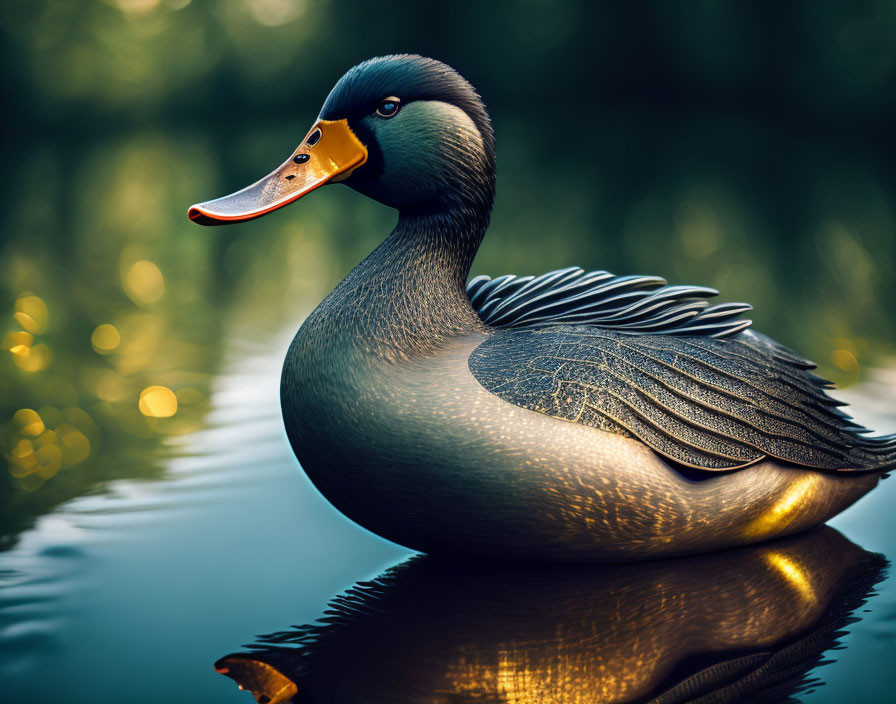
point(22, 466)
point(158, 402)
point(22, 448)
point(49, 437)
point(49, 460)
point(79, 418)
point(74, 444)
point(845, 360)
point(144, 282)
point(31, 314)
point(27, 422)
point(32, 359)
point(15, 341)
point(273, 13)
point(105, 338)
point(137, 7)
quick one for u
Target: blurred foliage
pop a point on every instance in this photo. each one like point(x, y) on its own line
point(747, 146)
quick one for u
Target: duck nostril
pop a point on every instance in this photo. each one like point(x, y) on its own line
point(313, 138)
point(301, 158)
point(290, 177)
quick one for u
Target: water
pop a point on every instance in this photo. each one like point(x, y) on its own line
point(115, 596)
point(134, 594)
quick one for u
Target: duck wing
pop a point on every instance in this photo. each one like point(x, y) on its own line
point(714, 401)
point(636, 304)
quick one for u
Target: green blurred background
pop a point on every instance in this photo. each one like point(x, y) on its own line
point(744, 145)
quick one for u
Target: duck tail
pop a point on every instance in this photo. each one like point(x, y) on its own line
point(873, 454)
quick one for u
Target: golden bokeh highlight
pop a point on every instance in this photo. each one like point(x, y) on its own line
point(48, 437)
point(49, 460)
point(845, 360)
point(137, 7)
point(22, 448)
point(73, 443)
point(273, 13)
point(105, 338)
point(15, 342)
point(45, 442)
point(20, 467)
point(157, 402)
point(32, 359)
point(27, 422)
point(31, 313)
point(143, 282)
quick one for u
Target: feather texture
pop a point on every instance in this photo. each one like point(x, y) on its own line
point(706, 403)
point(634, 304)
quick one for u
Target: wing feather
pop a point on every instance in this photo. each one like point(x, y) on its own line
point(638, 304)
point(704, 402)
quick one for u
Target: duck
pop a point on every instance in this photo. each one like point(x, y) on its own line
point(573, 416)
point(741, 625)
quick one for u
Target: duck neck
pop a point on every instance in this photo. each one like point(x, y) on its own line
point(409, 296)
point(437, 247)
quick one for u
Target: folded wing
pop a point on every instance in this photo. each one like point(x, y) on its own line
point(710, 402)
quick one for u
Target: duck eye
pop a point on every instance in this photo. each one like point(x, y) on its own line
point(388, 107)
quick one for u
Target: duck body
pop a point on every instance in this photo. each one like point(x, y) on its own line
point(574, 417)
point(414, 448)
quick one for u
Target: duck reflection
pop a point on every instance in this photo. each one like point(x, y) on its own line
point(743, 625)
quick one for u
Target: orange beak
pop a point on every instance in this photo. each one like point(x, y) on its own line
point(329, 152)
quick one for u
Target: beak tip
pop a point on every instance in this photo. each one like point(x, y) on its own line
point(202, 217)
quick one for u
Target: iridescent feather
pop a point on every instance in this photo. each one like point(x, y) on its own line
point(634, 304)
point(633, 356)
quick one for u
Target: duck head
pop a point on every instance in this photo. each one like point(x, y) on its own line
point(406, 130)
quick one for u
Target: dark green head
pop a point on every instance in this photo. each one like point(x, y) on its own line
point(432, 145)
point(405, 130)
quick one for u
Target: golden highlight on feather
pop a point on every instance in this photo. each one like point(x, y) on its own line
point(785, 510)
point(794, 573)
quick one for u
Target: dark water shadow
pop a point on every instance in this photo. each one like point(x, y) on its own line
point(742, 625)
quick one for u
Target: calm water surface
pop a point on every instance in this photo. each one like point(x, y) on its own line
point(133, 594)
